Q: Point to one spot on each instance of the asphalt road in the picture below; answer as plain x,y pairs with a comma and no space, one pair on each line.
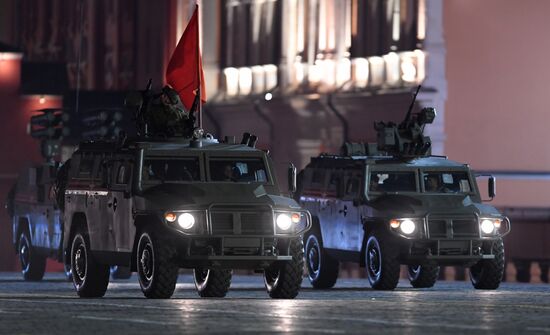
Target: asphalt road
51,307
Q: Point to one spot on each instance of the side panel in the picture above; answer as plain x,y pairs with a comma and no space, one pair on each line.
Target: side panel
100,223
331,231
89,203
39,224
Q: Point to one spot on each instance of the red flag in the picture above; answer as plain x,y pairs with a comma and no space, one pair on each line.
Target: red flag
184,72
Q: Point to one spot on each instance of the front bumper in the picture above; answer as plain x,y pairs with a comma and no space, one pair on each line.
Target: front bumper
447,252
233,252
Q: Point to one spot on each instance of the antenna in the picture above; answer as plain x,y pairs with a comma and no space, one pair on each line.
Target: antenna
78,54
408,117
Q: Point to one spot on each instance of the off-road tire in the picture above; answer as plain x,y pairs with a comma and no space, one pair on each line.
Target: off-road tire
423,276
212,283
487,274
381,261
90,279
157,270
322,269
120,272
283,280
33,265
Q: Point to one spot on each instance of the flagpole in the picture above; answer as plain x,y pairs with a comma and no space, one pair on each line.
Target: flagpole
199,67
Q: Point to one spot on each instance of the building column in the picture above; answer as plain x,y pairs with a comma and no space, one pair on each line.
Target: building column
435,82
210,46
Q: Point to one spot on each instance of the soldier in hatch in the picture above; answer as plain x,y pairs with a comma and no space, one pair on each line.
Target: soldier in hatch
168,115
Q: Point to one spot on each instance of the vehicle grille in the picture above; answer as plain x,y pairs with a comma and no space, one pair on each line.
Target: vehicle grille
453,227
238,221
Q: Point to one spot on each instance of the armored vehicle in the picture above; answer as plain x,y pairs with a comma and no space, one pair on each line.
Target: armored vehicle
161,202
36,219
391,203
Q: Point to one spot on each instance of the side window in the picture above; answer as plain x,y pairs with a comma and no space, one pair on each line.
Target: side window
86,165
352,184
318,179
98,167
334,180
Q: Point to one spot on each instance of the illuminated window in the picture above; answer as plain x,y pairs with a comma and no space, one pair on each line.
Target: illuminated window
382,26
250,45
250,33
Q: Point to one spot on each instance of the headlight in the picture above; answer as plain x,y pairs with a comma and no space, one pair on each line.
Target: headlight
407,226
186,221
284,221
489,226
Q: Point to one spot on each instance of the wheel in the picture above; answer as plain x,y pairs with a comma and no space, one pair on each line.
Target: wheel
487,274
523,271
422,276
322,269
156,268
120,272
381,262
33,265
68,272
283,280
213,283
90,278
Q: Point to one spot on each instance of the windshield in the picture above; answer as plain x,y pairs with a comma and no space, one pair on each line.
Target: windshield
238,170
446,182
171,170
392,182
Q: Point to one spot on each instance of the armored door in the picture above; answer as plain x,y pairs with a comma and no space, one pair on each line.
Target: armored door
347,212
120,204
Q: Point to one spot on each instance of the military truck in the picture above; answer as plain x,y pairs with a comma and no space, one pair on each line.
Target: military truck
390,203
161,202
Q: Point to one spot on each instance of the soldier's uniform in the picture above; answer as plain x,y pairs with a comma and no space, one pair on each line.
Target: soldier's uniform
167,115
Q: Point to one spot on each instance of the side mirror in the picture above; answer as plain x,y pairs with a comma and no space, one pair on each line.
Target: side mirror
292,178
492,187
